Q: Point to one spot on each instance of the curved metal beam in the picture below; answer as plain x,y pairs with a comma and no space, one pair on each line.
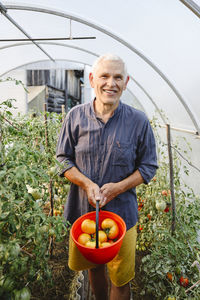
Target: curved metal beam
192,6
96,55
115,36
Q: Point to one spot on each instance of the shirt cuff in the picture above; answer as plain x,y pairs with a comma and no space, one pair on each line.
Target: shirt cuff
66,165
147,175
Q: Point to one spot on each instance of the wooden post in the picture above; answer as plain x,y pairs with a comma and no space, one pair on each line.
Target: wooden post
63,113
50,183
46,126
171,179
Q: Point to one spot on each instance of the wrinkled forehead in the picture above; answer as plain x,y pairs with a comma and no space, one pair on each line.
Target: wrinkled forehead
110,67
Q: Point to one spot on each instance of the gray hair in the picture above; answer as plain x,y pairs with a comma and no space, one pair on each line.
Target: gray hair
110,57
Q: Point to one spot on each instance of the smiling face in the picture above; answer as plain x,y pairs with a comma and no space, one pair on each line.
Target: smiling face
109,81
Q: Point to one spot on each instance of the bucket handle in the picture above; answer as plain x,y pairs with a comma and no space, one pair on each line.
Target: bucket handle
97,223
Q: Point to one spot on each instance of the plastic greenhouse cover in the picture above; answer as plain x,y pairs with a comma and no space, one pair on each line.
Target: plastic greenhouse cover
159,41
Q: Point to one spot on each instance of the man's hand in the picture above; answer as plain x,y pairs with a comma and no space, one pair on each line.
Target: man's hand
91,188
111,190
93,193
108,192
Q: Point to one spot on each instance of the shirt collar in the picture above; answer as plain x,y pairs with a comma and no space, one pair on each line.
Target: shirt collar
116,111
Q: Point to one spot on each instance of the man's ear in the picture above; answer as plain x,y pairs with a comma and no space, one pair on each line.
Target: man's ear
91,79
126,82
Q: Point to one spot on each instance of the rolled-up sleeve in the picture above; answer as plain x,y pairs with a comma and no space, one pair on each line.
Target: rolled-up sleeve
65,147
146,161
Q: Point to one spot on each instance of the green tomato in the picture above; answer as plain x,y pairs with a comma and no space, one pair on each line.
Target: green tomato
51,232
178,270
14,250
160,205
14,268
44,229
16,295
34,192
2,250
23,294
8,284
52,171
66,188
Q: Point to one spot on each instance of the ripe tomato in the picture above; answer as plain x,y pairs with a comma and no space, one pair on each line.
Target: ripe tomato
91,244
105,244
57,212
110,227
166,209
184,281
149,216
169,276
140,227
84,238
88,226
164,193
102,236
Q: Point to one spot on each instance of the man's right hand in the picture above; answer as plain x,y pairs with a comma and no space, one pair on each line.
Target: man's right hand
91,188
93,193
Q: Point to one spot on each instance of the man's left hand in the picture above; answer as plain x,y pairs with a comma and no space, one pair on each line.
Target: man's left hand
109,191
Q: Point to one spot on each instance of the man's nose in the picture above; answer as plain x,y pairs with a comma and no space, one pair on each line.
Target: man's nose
111,81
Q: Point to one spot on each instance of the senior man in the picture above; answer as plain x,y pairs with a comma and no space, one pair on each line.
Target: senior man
107,148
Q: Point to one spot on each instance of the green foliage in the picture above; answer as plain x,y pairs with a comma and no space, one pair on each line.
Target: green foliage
168,253
26,224
28,173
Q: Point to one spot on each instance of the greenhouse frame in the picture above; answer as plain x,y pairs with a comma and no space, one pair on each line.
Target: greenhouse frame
47,49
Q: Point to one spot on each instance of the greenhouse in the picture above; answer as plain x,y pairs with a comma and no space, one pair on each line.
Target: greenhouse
47,75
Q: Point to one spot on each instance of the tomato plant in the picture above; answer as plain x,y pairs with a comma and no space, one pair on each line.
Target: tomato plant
165,253
26,226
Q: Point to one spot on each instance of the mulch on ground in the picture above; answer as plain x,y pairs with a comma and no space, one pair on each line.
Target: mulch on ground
66,283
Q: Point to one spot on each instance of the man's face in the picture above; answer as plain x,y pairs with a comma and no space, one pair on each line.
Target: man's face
109,82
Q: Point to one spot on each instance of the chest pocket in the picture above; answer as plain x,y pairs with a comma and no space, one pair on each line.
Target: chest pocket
122,154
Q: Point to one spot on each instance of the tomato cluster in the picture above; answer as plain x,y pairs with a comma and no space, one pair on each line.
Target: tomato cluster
107,233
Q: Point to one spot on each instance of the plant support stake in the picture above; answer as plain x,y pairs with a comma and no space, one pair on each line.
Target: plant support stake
63,113
50,183
171,178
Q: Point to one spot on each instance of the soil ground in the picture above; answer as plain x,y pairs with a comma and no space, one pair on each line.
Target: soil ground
66,283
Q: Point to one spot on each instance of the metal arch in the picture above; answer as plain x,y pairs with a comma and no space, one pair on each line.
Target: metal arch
4,12
194,7
112,34
94,54
49,43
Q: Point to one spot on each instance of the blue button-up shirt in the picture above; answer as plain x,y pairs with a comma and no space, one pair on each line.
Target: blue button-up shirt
106,152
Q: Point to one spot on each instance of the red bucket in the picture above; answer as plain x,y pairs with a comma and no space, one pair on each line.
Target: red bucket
99,255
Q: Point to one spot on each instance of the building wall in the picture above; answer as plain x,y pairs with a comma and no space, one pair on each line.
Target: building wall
9,90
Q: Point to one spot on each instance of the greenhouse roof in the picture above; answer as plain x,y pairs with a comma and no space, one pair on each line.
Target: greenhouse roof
159,41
